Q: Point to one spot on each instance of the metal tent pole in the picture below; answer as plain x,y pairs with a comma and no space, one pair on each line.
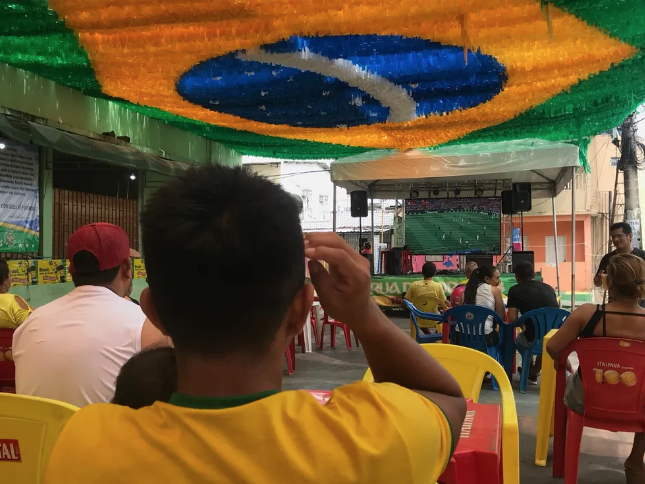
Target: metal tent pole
555,241
573,238
333,212
372,198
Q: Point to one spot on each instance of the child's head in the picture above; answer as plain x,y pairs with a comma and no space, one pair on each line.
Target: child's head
147,377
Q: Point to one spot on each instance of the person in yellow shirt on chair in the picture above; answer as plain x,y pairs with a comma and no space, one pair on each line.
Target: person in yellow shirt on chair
427,296
229,421
13,309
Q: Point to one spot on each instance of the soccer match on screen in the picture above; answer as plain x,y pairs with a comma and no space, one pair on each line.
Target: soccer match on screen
436,226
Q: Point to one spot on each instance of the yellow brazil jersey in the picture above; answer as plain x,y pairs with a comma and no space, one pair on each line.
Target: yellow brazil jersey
13,311
427,296
367,433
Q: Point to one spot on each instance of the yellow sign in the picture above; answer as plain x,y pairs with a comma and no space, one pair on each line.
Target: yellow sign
19,272
50,271
139,269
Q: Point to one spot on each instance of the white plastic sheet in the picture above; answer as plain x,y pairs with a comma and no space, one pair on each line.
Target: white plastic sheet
539,162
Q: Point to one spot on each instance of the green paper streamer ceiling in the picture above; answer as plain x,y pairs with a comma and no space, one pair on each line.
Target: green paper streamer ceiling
34,39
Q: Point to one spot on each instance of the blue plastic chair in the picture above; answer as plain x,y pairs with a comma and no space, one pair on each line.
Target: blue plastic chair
544,320
468,321
414,314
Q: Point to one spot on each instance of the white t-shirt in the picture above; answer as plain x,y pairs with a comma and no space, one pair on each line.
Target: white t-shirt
485,298
73,348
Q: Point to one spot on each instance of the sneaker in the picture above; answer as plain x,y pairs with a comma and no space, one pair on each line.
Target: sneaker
532,381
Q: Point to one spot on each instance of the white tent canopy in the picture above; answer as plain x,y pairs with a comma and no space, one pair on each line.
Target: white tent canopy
544,164
548,166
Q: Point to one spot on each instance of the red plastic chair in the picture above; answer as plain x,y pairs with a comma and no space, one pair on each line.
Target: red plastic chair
613,377
7,367
333,326
290,355
314,326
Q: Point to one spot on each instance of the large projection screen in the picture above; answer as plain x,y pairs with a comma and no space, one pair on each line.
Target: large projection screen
439,226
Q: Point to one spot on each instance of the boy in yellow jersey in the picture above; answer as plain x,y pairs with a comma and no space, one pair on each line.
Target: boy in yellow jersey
231,322
13,309
427,296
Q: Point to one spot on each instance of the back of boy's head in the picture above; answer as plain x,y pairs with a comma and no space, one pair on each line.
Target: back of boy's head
224,255
147,377
429,270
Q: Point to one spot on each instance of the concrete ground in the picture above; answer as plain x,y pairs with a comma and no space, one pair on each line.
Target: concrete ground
602,453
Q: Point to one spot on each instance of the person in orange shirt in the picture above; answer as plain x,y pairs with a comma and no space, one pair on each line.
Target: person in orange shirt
229,421
13,309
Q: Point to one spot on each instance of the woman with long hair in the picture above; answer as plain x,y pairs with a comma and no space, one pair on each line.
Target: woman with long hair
483,290
620,318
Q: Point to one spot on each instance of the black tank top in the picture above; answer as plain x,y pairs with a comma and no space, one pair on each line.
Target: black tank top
601,313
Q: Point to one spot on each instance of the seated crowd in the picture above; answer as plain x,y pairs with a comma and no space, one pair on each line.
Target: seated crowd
211,408
183,392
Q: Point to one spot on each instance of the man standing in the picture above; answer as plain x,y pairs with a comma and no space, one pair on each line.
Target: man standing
621,236
527,295
73,348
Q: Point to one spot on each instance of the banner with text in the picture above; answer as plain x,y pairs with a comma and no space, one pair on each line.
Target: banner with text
19,205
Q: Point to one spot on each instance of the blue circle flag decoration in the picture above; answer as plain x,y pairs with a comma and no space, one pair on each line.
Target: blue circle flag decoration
342,81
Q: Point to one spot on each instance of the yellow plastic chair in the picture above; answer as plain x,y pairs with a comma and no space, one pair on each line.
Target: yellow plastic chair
29,428
546,411
427,305
468,367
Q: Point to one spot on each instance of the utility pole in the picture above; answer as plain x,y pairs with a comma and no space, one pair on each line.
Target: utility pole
628,164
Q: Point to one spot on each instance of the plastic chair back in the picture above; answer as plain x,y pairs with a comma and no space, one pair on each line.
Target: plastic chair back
29,428
468,367
469,320
7,367
544,320
457,295
613,377
418,335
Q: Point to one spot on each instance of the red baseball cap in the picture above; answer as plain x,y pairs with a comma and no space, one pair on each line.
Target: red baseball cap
108,243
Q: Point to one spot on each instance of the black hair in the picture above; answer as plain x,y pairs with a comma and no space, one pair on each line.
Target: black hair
147,377
524,270
627,229
230,222
429,270
367,245
88,273
4,271
478,277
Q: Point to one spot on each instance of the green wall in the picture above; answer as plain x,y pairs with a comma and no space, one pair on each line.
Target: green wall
62,107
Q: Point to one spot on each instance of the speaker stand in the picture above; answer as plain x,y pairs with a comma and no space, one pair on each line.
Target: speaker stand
522,229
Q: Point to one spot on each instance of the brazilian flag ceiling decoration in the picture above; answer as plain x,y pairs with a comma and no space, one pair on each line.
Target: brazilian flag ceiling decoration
312,79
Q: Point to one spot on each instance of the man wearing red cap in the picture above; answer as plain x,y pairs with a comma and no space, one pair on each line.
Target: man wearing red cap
73,348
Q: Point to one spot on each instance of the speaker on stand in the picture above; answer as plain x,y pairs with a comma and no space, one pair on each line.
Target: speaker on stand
522,202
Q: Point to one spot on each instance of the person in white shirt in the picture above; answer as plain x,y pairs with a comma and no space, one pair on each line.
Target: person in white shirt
73,348
483,290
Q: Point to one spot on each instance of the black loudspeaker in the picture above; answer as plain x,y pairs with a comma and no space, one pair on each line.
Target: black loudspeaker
393,259
514,202
507,202
522,198
358,204
522,187
481,260
522,201
522,255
